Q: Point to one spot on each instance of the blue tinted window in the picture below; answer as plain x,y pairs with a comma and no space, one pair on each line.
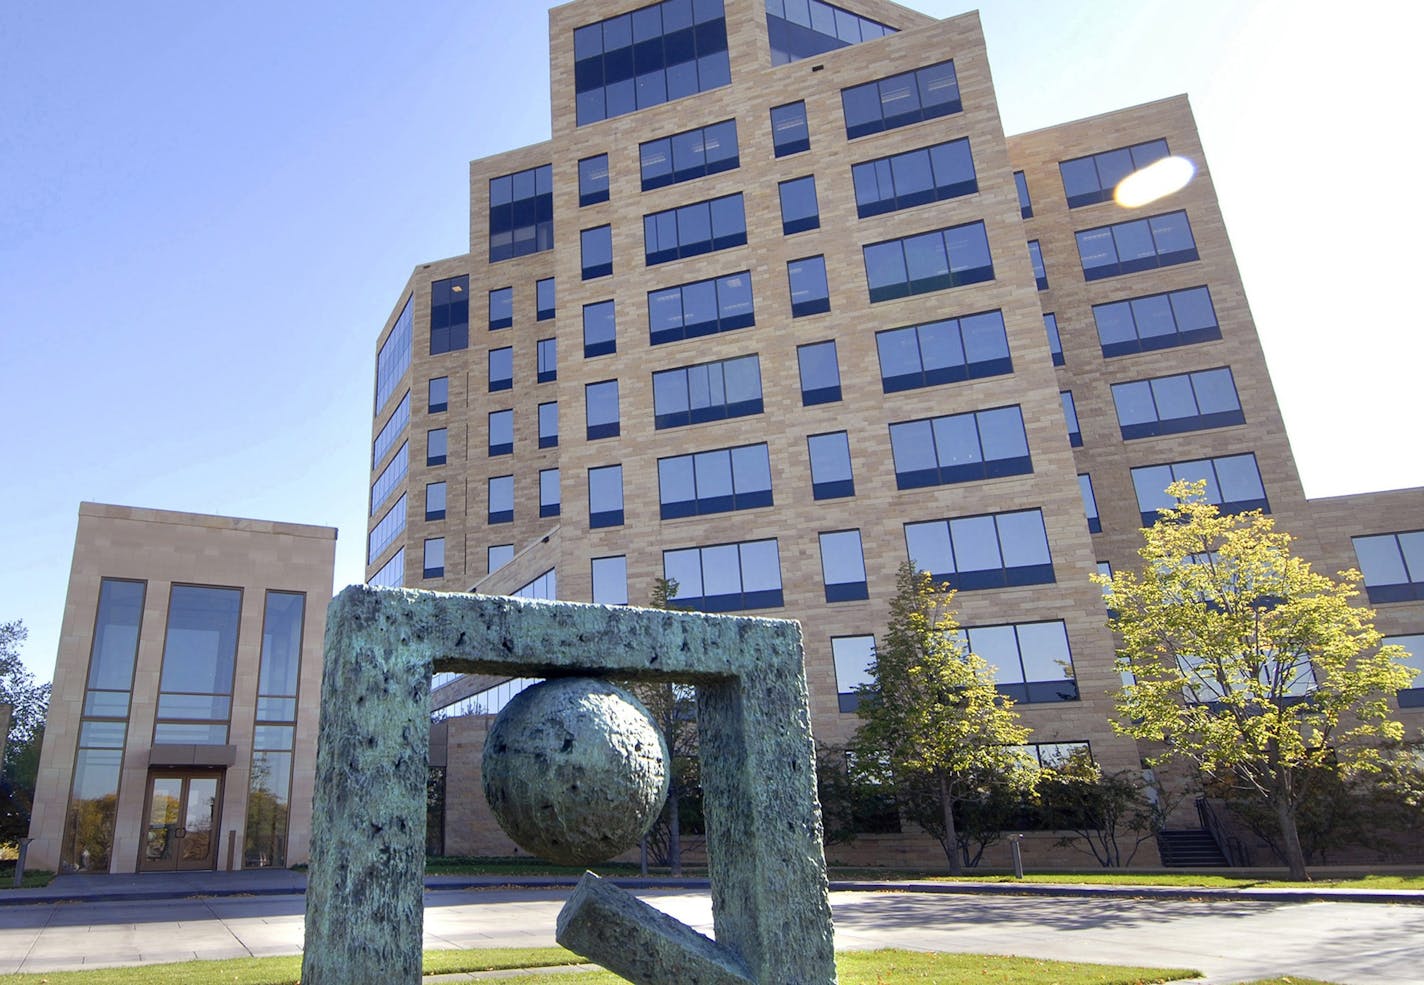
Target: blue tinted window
435,501
810,294
726,577
501,432
900,100
1055,343
694,229
501,499
1233,483
596,251
384,533
1025,203
843,566
549,493
960,448
1070,417
902,181
501,308
437,395
707,392
1139,244
805,28
501,369
704,307
394,358
437,447
1090,503
1035,258
391,430
789,133
546,361
655,54
544,299
521,213
1392,565
996,550
930,261
820,373
449,315
390,477
831,476
714,481
1091,179
1173,404
948,351
600,331
434,558
605,496
688,155
549,424
799,210
1031,660
1156,321
593,180
601,409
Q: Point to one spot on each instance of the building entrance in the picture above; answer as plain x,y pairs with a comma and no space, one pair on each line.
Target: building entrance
182,812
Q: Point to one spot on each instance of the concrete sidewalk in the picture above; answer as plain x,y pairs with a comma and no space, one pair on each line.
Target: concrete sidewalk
282,882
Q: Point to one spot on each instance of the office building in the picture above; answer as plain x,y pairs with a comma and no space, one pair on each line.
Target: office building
779,305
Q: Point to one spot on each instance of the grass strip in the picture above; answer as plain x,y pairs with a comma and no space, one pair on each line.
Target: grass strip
854,967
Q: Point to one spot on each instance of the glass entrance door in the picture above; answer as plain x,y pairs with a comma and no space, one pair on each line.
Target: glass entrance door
181,814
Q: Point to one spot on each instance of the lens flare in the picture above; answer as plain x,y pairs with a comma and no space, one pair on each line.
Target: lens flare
1158,180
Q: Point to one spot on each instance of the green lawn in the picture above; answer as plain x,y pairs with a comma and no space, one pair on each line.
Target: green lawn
31,879
855,968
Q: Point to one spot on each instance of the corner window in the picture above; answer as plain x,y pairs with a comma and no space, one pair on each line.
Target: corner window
435,501
810,293
843,566
1090,503
994,550
1174,404
544,299
501,369
789,133
1136,245
1091,179
390,477
384,533
605,497
948,351
1070,417
394,358
900,100
717,481
501,499
820,373
601,409
501,308
933,261
726,577
1035,259
436,446
610,580
1156,321
799,211
547,361
549,424
707,392
449,315
688,155
596,250
501,432
549,495
593,180
391,430
438,395
916,177
434,566
521,213
1233,483
1392,565
984,444
704,307
600,331
1025,203
830,465
691,230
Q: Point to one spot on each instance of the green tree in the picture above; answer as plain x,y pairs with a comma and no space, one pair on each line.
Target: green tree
29,701
1110,815
1246,663
933,713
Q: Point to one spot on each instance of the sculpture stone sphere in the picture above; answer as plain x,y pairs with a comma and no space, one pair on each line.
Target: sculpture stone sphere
575,770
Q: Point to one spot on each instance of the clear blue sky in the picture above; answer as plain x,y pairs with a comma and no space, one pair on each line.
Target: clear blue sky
207,210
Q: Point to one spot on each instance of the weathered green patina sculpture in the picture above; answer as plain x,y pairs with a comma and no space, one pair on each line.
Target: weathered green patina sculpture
771,911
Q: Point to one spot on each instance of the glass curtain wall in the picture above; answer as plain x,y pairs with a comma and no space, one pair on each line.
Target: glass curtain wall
269,795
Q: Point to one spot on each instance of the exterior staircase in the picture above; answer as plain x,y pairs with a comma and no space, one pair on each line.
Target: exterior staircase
1190,848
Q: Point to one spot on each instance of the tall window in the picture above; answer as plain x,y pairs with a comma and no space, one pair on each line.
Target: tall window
843,566
501,499
605,496
437,395
1055,342
501,369
547,361
900,100
1090,503
89,822
390,478
1035,259
948,351
714,481
391,430
434,501
544,299
434,558
501,308
902,181
799,209
384,533
1138,244
789,133
707,392
600,329
549,424
270,787
799,29
199,657
831,476
1025,203
521,213
601,409
810,291
852,656
688,155
1413,643
820,373
983,444
497,556
726,577
654,54
437,446
593,180
933,261
610,580
449,315
596,251
501,432
394,358
1233,482
1070,418
550,495
995,550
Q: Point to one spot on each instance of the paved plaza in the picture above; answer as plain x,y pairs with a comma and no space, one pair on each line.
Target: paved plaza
1231,941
